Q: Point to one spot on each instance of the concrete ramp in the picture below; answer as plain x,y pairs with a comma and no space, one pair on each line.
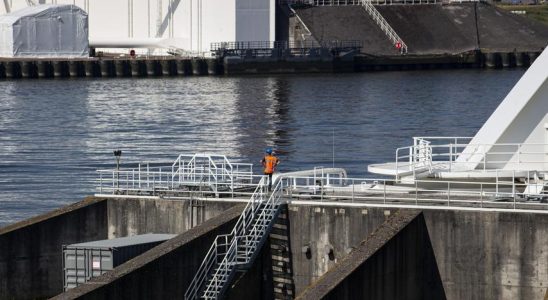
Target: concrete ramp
430,28
328,23
501,31
433,29
395,262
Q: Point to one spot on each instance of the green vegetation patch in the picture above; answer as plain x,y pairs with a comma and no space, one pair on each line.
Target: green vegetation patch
536,12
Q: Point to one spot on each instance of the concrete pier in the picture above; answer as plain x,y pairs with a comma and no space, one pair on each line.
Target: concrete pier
315,63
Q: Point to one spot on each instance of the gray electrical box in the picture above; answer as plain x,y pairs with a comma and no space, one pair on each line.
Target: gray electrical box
83,261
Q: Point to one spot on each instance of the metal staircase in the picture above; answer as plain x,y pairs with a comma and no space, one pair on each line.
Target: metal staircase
384,26
237,250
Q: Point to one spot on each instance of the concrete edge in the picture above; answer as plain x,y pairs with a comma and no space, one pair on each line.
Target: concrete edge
367,248
153,254
51,214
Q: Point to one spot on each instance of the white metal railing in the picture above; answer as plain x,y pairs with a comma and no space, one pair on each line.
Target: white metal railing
212,171
369,7
446,154
239,247
384,26
355,2
506,194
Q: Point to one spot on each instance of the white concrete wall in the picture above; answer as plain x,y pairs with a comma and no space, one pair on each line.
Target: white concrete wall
220,20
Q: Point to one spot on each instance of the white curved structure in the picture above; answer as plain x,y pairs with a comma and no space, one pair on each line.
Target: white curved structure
513,143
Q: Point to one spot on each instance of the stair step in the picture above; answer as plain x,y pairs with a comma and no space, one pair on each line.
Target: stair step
278,236
279,231
279,226
282,280
280,259
278,245
280,291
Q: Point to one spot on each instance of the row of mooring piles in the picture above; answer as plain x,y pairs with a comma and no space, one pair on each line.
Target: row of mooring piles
498,60
109,68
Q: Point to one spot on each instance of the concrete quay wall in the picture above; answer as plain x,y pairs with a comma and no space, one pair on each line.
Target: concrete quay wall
479,255
31,250
395,262
14,68
163,272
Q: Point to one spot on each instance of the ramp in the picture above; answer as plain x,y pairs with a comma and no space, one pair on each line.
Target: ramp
429,28
328,23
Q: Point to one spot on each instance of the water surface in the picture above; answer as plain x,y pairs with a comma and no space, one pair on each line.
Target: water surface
55,133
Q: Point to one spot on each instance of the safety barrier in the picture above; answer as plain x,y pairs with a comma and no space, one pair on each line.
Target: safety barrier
213,172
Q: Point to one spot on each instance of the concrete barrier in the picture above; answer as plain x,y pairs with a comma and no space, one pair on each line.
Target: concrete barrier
395,262
500,255
163,272
30,251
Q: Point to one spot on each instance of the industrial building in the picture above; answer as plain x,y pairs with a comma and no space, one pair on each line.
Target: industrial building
191,25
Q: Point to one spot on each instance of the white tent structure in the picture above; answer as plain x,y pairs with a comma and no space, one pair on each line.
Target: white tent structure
45,31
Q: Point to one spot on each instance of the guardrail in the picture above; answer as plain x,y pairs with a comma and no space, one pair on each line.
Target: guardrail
508,190
504,195
219,263
357,2
213,172
446,154
278,49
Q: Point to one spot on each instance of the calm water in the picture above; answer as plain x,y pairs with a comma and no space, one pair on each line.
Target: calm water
55,133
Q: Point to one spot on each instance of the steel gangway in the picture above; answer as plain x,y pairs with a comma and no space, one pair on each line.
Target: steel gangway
236,251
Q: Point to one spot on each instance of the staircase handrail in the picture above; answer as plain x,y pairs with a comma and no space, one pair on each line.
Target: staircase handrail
203,270
383,24
228,263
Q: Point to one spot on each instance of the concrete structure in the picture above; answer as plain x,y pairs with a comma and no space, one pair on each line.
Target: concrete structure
30,250
426,29
190,25
478,255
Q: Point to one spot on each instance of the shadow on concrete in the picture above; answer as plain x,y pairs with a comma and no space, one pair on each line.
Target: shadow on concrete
395,262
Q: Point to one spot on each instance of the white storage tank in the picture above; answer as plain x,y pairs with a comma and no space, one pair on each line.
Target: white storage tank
83,261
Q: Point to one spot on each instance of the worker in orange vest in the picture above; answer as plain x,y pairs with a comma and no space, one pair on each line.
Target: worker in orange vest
269,162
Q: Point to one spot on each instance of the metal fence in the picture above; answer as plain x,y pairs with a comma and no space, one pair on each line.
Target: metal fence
356,2
335,187
503,195
244,45
194,172
448,154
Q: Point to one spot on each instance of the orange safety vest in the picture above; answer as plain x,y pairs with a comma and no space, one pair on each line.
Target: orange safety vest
269,163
